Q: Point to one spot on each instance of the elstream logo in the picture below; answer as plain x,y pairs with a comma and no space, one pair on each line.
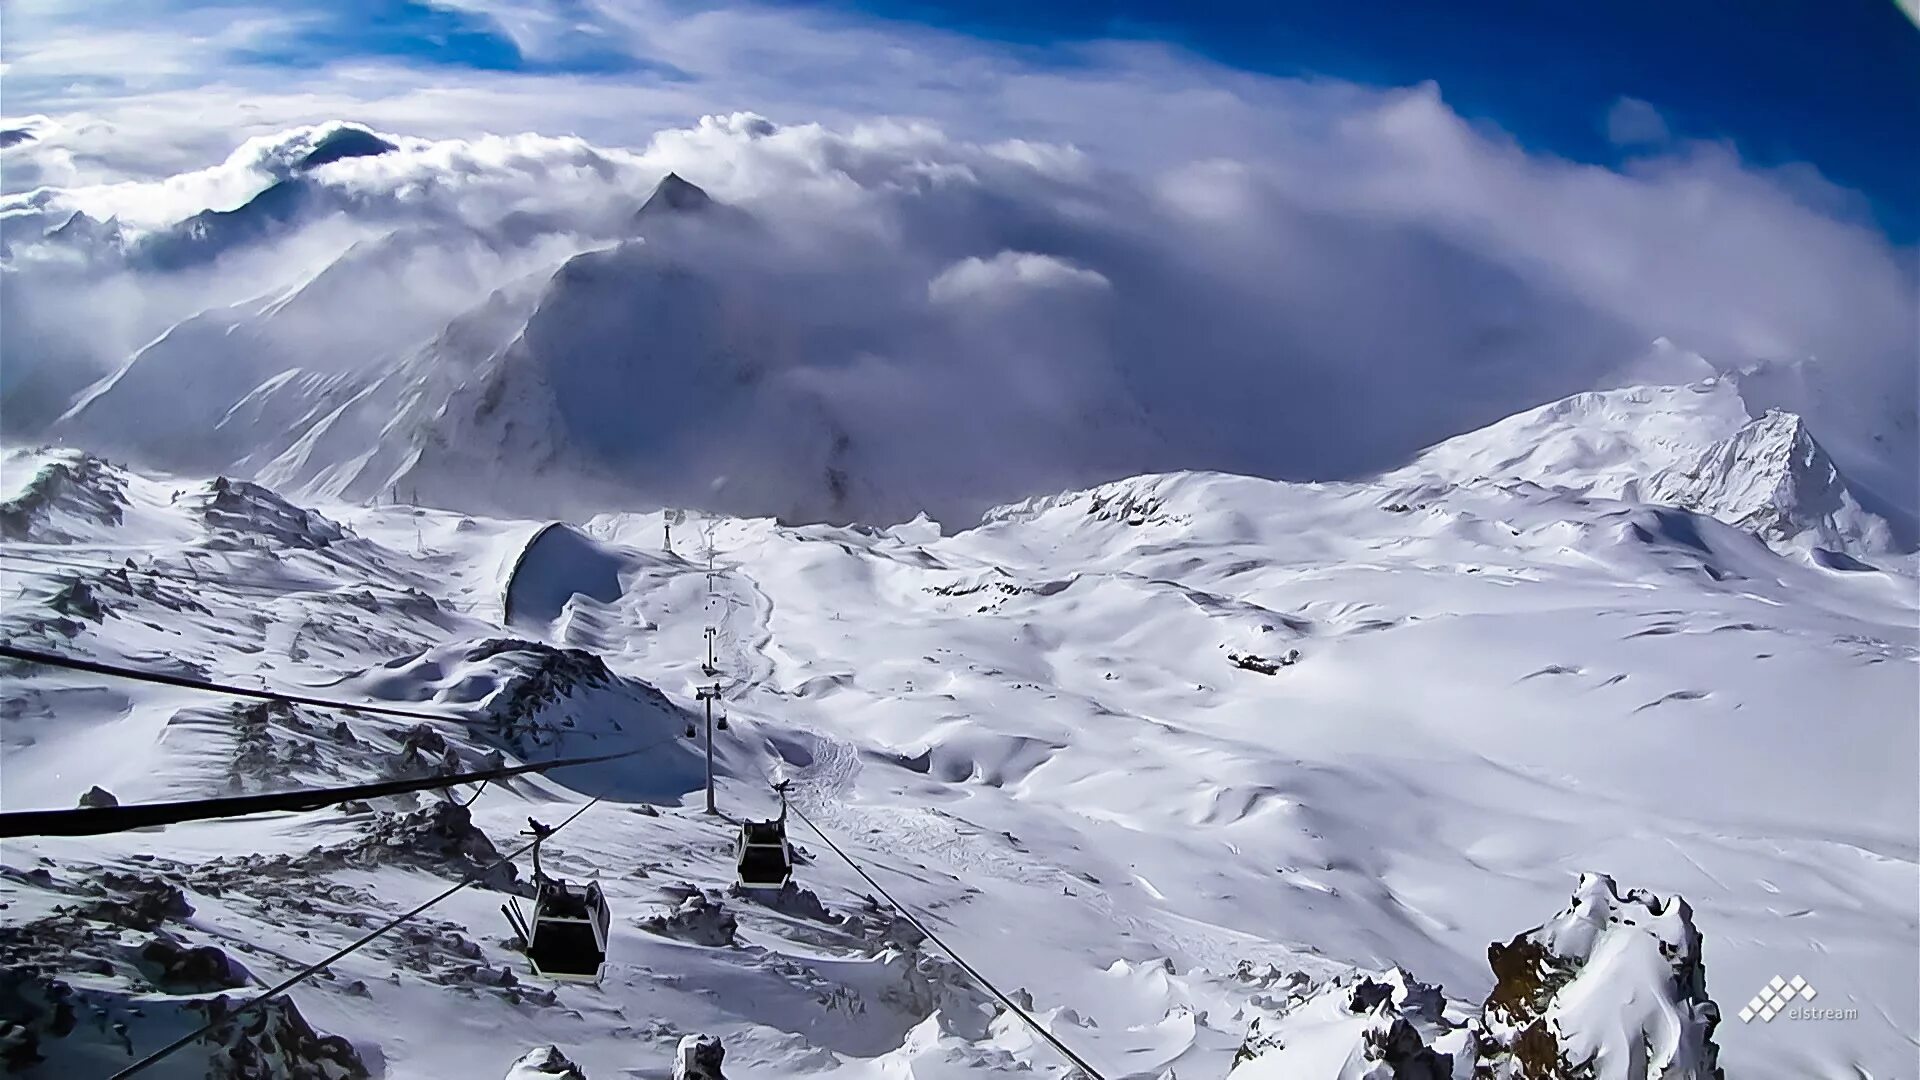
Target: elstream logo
1776,999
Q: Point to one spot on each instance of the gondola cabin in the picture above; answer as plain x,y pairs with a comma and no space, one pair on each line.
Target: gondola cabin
568,936
765,858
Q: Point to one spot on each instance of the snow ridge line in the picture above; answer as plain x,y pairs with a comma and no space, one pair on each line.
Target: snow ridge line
94,667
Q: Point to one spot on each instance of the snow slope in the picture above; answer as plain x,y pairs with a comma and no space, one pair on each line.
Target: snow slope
1030,730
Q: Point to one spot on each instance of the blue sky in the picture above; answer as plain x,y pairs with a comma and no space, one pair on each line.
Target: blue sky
1835,84
436,36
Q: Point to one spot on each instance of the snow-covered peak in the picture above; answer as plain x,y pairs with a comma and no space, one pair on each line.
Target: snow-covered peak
1597,443
1694,447
675,195
59,496
1773,478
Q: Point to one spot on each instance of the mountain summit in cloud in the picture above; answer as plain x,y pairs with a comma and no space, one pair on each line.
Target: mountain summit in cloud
855,325
675,196
342,142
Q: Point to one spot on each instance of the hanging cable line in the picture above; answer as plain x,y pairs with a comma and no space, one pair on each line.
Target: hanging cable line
190,576
315,968
97,820
1065,1051
94,667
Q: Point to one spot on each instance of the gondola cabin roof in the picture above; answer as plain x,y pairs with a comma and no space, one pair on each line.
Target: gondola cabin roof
561,900
764,832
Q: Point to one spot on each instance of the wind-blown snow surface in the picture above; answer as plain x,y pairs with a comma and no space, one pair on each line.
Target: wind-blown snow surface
1030,730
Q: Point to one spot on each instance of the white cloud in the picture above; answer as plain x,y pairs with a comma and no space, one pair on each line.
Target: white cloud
1308,277
974,277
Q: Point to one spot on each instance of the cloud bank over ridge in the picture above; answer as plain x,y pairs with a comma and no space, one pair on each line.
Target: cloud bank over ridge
1308,279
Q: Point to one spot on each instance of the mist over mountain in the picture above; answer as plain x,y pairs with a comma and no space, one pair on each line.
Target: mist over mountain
864,324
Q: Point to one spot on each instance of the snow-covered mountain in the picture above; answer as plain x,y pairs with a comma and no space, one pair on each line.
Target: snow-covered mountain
1598,443
630,375
636,373
1695,447
1191,762
1773,478
346,314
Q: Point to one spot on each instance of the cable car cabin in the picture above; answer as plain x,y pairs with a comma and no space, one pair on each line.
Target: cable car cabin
569,939
765,857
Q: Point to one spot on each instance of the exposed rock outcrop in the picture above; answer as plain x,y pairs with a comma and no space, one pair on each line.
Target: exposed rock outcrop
76,991
1385,1027
1610,981
247,511
698,1057
1612,988
545,1063
97,797
697,920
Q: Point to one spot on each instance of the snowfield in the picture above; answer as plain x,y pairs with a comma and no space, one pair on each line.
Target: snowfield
1181,757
